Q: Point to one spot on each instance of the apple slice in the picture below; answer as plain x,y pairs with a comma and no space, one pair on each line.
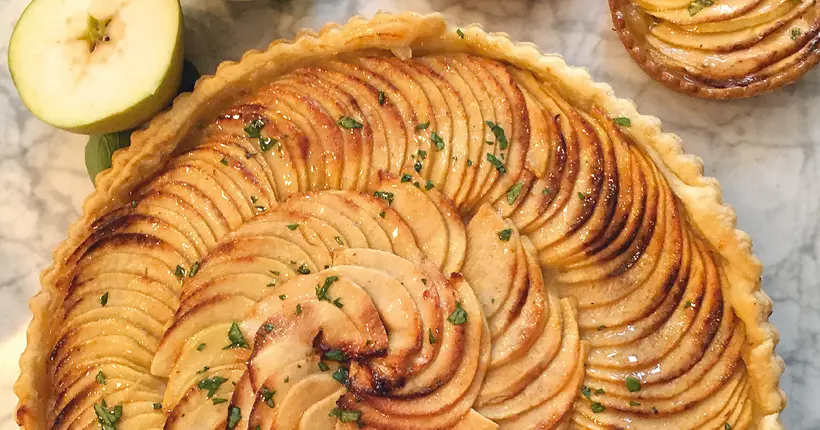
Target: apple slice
97,66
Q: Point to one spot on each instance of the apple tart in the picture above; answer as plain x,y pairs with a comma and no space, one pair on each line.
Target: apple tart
720,49
393,224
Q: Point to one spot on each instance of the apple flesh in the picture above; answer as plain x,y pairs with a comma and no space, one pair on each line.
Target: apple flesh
97,66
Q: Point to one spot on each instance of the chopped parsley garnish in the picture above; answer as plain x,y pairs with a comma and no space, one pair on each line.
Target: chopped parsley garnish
321,291
268,327
203,370
338,303
429,185
348,123
459,315
513,192
254,199
298,309
601,327
698,5
211,384
341,374
633,384
500,137
599,391
157,406
384,195
381,98
292,227
469,163
218,400
727,426
234,416
100,377
260,208
435,138
796,32
335,355
586,392
622,121
597,407
179,272
287,379
200,347
423,125
254,127
688,304
417,166
634,403
546,191
224,161
236,338
133,204
346,416
323,367
303,269
654,410
460,33
430,336
424,281
108,418
581,196
266,143
104,299
282,297
194,269
496,163
505,234
267,396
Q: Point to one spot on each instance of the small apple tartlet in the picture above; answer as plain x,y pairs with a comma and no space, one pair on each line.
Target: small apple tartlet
720,49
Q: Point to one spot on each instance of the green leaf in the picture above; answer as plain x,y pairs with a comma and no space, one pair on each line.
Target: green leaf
633,384
108,418
236,338
459,315
100,149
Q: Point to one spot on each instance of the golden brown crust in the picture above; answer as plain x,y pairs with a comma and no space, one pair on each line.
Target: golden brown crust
633,37
404,35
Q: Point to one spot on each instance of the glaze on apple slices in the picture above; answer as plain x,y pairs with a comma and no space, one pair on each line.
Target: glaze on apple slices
721,48
431,243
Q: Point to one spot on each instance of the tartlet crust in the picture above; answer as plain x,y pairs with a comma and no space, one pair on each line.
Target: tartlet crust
679,81
406,34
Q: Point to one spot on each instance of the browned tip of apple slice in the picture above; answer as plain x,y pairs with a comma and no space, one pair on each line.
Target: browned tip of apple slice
714,51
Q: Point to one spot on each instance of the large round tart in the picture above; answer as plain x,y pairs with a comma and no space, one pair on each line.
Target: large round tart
393,224
721,49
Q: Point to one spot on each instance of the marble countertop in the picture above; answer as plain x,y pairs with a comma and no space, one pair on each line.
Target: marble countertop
765,152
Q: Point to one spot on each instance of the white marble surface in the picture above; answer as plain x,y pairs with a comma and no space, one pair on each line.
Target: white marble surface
765,152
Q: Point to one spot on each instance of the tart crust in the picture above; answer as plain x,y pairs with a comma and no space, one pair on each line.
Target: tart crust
631,25
405,35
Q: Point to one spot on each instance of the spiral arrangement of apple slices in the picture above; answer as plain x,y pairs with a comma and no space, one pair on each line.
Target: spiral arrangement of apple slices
433,243
722,44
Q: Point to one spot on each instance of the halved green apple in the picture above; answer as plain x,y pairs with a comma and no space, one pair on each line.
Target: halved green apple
97,66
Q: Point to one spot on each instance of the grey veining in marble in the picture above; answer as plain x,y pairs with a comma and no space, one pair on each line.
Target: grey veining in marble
765,152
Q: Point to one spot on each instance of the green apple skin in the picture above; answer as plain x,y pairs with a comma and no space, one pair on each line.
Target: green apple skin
128,118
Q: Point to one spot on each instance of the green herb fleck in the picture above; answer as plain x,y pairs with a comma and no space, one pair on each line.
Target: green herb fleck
505,234
267,396
429,185
430,336
459,315
203,370
597,407
513,192
469,163
460,33
194,269
338,240
224,161
586,392
435,138
323,367
157,406
384,195
500,137
341,374
423,125
236,338
282,297
698,5
254,127
381,98
406,178
108,418
348,123
179,272
200,347
234,416
496,163
633,384
623,121
298,309
266,143
104,299
100,377
796,32
346,416
634,403
292,227
218,400
335,355
321,291
303,269
211,384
